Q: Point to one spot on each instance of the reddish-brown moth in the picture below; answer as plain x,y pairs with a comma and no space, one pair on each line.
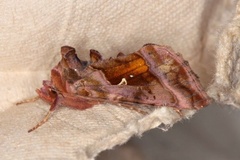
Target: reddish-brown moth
155,76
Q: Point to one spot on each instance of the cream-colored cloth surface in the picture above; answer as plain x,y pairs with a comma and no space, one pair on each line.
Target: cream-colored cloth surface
225,88
32,32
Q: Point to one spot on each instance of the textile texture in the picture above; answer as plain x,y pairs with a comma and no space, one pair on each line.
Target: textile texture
225,88
205,32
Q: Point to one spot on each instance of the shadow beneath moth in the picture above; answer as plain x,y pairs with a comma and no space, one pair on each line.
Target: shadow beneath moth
155,76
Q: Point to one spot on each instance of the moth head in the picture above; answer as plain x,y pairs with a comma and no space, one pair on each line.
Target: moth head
47,92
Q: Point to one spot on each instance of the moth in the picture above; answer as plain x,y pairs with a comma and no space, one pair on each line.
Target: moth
155,76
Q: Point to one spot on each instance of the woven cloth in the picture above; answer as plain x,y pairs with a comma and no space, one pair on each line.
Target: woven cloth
32,32
225,88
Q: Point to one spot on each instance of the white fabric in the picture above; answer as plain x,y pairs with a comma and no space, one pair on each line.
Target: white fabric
225,88
31,34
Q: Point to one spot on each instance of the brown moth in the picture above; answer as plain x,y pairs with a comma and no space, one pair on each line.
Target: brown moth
155,76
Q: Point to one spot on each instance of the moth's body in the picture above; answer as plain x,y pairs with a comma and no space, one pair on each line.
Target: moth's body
154,75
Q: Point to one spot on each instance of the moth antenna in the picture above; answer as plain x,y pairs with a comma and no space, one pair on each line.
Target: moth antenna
41,122
29,100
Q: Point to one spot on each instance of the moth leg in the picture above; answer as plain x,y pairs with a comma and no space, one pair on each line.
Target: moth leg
47,116
131,107
28,100
123,82
179,112
41,122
